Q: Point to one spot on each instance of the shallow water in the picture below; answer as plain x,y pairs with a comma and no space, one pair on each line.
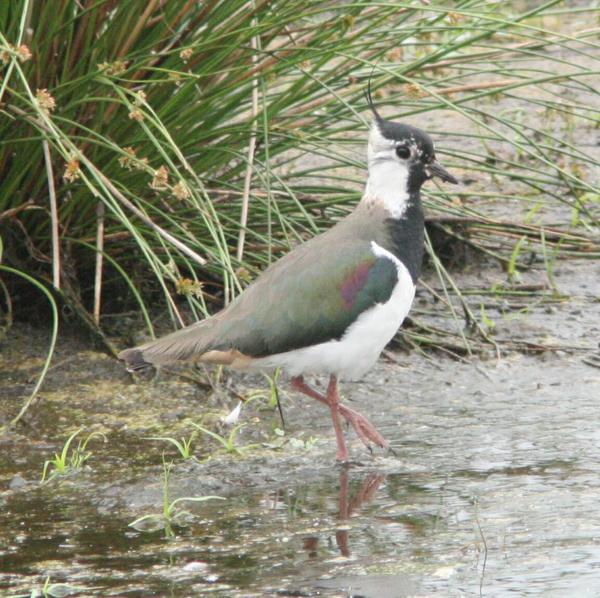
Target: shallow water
493,491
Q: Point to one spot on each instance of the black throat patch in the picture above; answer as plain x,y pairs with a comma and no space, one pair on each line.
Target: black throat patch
406,235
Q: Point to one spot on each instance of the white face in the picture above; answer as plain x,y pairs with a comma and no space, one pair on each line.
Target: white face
405,151
388,173
381,149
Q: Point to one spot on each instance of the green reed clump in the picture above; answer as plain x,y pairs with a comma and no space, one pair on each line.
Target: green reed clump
176,148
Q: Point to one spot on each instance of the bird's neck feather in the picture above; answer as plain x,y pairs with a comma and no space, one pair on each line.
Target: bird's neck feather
393,196
387,186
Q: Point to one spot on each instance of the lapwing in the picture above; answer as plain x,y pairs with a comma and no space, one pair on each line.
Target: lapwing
333,303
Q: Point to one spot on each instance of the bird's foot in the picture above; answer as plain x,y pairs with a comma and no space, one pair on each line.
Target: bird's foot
341,455
364,429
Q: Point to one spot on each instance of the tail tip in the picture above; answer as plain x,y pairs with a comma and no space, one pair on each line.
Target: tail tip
134,360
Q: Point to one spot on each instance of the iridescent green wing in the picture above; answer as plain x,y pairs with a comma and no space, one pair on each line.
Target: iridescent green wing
310,296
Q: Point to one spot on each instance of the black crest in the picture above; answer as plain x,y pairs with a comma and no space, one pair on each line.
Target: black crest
369,97
401,133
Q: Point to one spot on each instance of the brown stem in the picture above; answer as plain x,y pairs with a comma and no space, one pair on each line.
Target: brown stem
250,161
137,29
476,86
53,217
12,212
100,211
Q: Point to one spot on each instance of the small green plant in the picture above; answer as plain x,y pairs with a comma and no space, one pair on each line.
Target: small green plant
69,460
549,261
300,443
270,400
485,320
528,218
273,389
227,442
183,446
55,590
171,514
513,274
282,439
267,399
583,205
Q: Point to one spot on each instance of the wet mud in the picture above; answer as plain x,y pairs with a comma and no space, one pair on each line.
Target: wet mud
491,488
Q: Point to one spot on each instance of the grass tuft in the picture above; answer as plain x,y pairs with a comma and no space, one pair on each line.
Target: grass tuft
69,459
189,144
172,514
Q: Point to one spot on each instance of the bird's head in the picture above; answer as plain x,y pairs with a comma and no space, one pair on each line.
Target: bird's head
404,150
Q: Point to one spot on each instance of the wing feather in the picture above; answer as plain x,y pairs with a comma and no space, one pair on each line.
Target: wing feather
311,295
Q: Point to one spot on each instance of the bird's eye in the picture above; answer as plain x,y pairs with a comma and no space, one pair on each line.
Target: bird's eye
402,152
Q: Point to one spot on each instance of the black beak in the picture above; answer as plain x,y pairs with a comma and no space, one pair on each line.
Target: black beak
436,169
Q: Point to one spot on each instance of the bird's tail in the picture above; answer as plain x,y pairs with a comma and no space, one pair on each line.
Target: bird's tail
183,344
134,360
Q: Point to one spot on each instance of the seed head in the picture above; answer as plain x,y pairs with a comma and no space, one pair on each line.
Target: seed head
136,115
72,170
243,274
186,54
22,52
140,97
180,191
45,100
414,90
113,69
187,286
161,178
454,17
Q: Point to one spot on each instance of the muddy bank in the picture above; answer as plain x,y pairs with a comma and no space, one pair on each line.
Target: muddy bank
501,467
493,484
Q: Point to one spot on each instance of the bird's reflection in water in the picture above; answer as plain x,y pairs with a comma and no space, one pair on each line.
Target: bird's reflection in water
348,505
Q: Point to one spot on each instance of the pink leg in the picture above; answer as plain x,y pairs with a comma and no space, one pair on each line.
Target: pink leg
298,383
333,400
364,429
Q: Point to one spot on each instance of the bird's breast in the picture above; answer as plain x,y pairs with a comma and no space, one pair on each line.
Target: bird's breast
352,355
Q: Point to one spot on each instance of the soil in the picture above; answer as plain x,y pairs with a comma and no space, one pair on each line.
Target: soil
492,483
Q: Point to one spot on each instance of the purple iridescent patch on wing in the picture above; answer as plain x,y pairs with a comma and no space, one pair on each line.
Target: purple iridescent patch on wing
354,282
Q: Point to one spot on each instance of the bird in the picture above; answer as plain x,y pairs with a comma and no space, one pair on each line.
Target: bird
332,304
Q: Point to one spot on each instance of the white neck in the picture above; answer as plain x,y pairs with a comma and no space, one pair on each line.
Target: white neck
388,176
387,186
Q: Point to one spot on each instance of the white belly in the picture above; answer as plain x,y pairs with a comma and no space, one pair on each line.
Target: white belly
355,353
